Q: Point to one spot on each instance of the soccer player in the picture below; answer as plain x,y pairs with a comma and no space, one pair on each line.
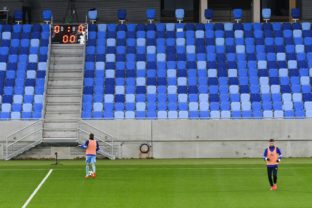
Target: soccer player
91,146
272,155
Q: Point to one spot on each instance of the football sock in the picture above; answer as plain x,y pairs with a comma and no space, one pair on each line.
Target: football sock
270,176
275,179
93,167
87,169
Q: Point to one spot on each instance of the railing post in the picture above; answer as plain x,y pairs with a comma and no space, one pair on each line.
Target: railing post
42,127
112,146
6,149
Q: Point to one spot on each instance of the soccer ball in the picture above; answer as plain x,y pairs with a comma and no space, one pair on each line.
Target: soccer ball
90,173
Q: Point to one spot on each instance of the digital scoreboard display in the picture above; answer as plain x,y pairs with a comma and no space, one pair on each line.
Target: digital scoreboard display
68,33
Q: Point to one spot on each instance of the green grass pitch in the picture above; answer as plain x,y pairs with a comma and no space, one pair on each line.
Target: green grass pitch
183,183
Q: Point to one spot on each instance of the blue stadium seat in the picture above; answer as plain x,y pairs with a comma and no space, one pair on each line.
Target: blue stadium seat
18,16
122,15
209,15
295,14
46,16
150,15
237,15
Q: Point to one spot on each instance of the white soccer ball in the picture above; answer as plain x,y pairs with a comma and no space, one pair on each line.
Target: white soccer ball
90,173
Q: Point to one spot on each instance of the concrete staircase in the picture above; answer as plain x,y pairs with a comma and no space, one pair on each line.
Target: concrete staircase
64,91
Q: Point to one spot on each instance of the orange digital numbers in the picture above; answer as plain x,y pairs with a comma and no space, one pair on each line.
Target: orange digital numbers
81,28
72,39
57,29
69,39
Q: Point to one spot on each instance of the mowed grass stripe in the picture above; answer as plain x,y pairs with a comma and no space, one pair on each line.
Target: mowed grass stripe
241,186
17,185
37,189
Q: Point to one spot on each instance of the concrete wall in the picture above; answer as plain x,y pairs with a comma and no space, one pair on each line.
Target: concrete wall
9,127
209,138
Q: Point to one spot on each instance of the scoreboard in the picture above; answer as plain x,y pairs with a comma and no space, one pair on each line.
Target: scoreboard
68,33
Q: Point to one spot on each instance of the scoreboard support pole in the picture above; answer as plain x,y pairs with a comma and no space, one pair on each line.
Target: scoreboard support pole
256,10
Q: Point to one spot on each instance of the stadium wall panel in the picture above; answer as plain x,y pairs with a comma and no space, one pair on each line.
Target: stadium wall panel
209,138
9,127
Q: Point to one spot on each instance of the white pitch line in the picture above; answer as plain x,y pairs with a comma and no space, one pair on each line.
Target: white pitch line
37,189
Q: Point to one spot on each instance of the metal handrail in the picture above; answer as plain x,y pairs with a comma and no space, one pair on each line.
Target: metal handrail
9,144
83,68
47,72
23,137
85,123
99,139
109,143
23,148
23,128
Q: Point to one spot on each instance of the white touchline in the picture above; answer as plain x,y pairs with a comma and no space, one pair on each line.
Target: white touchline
37,189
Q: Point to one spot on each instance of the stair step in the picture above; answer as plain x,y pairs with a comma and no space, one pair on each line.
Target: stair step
59,125
68,75
66,59
53,91
52,120
46,129
66,79
56,67
62,116
61,109
63,103
57,82
63,99
50,107
59,139
65,63
60,94
66,53
71,46
65,87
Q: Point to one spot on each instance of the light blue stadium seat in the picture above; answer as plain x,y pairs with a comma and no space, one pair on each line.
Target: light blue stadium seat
287,106
119,115
31,74
27,107
34,42
267,114
33,58
42,66
266,14
308,106
6,35
98,107
38,98
29,90
15,115
162,115
215,114
172,114
6,107
297,97
183,114
179,13
278,114
129,114
225,114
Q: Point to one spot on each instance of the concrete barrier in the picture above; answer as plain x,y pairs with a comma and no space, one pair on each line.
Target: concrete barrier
209,138
191,138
